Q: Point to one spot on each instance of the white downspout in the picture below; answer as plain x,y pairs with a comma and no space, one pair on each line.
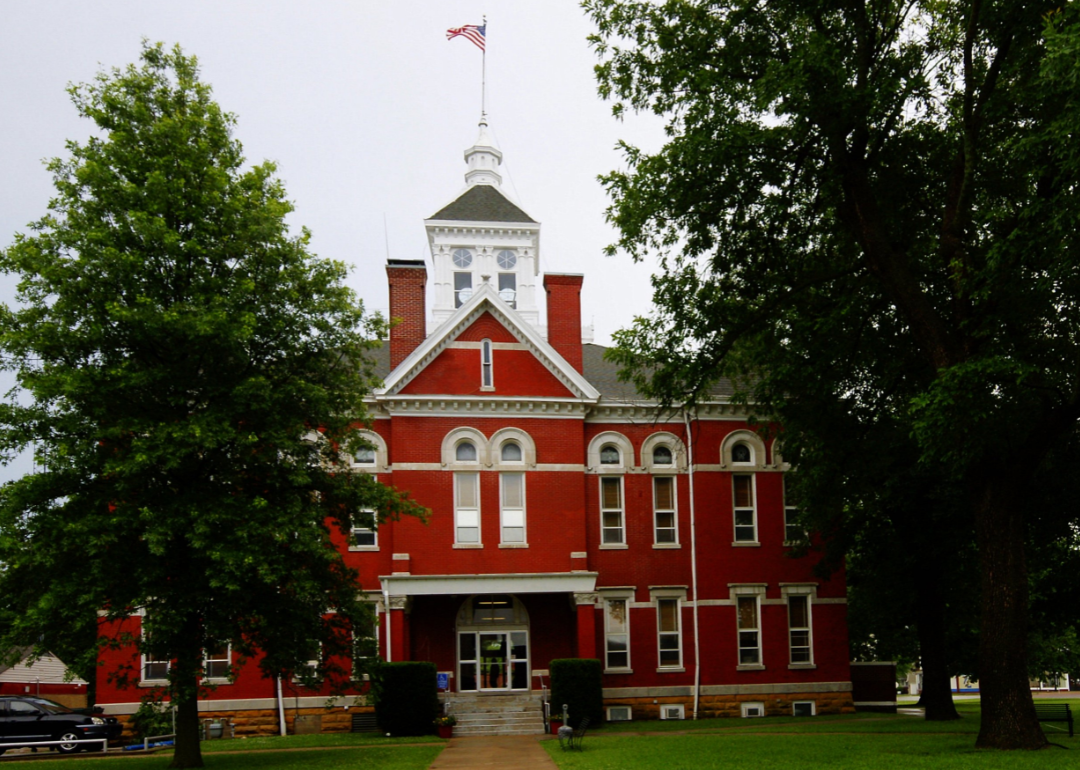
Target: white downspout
280,707
386,617
693,561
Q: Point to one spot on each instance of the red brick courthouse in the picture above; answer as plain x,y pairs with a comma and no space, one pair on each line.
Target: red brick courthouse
570,518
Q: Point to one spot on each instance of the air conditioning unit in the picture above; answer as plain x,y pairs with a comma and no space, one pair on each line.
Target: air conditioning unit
670,711
619,714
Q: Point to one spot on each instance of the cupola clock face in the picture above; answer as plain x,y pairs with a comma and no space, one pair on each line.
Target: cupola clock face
462,258
507,260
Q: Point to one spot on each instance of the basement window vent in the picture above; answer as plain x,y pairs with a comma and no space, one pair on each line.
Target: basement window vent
803,708
619,714
672,712
753,710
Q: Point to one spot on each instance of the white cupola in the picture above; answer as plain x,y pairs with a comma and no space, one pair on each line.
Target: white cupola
483,159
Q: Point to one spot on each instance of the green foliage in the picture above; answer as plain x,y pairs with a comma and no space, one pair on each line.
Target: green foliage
867,217
192,378
406,697
152,718
578,682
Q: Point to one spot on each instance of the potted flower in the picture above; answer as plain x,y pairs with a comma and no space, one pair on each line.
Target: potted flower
556,723
445,726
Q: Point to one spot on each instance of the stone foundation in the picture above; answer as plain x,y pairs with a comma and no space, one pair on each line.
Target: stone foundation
710,706
255,722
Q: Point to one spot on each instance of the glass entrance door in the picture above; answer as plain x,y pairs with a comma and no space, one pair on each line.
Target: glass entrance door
493,660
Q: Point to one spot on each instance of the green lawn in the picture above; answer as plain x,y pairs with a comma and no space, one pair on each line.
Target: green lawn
374,758
272,742
855,742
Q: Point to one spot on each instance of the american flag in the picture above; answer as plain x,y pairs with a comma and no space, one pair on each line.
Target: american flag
471,32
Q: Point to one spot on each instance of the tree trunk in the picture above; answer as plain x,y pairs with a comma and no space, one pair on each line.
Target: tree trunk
936,695
1008,712
185,687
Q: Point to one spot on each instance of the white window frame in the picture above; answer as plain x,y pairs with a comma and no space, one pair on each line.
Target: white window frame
487,366
667,708
745,708
673,510
629,713
791,511
621,511
459,510
207,661
146,661
312,664
608,634
458,299
374,544
808,629
658,599
504,510
752,508
740,630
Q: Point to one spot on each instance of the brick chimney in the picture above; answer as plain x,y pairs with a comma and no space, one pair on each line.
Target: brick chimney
564,315
407,279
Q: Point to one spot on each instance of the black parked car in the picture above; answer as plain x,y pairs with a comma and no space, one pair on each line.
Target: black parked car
31,720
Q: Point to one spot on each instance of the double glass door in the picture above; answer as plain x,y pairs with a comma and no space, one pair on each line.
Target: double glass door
493,660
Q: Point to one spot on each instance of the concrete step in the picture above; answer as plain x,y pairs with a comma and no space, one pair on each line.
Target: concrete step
468,720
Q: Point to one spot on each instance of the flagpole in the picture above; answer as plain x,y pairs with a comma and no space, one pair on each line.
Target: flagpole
483,74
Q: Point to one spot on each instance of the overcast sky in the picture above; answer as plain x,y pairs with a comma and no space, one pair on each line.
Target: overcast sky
366,108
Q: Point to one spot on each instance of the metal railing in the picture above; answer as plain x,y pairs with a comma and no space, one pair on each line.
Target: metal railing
147,739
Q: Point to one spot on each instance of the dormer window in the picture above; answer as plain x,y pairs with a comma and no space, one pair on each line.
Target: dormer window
511,452
609,455
662,456
507,259
741,453
465,452
462,258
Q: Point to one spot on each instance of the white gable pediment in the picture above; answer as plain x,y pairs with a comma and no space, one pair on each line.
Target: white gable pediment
487,300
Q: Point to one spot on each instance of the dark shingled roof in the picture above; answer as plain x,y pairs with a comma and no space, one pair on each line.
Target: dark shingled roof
483,203
604,375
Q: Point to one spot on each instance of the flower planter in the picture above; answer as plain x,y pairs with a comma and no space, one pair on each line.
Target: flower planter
555,725
445,731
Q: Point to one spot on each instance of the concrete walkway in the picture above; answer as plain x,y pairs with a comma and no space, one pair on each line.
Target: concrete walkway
504,752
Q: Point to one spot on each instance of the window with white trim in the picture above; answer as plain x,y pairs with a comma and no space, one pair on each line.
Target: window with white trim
749,630
309,672
510,452
617,634
665,527
154,670
745,512
753,710
669,633
462,288
742,454
467,507
512,496
486,374
508,289
365,455
609,455
662,455
793,533
465,452
217,661
799,638
364,534
612,525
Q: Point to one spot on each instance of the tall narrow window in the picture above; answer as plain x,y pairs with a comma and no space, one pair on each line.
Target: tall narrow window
793,533
462,288
616,634
664,510
799,629
216,662
364,534
485,363
749,631
670,637
611,511
745,518
508,289
467,507
513,507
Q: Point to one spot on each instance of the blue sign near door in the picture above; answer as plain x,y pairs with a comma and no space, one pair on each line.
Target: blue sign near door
443,680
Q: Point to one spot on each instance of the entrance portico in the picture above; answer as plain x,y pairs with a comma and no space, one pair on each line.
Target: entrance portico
493,633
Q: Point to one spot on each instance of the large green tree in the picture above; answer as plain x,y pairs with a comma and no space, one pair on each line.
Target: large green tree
192,378
870,210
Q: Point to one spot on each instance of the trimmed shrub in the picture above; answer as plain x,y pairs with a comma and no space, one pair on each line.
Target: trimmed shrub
578,682
406,698
152,718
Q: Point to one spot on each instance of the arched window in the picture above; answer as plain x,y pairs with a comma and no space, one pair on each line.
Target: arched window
742,453
372,458
465,452
609,455
511,452
662,455
365,456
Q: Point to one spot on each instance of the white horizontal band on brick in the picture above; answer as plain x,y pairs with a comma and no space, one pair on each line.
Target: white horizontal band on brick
469,345
521,583
245,704
726,689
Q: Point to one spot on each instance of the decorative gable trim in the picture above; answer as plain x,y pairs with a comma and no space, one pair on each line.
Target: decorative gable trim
486,300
